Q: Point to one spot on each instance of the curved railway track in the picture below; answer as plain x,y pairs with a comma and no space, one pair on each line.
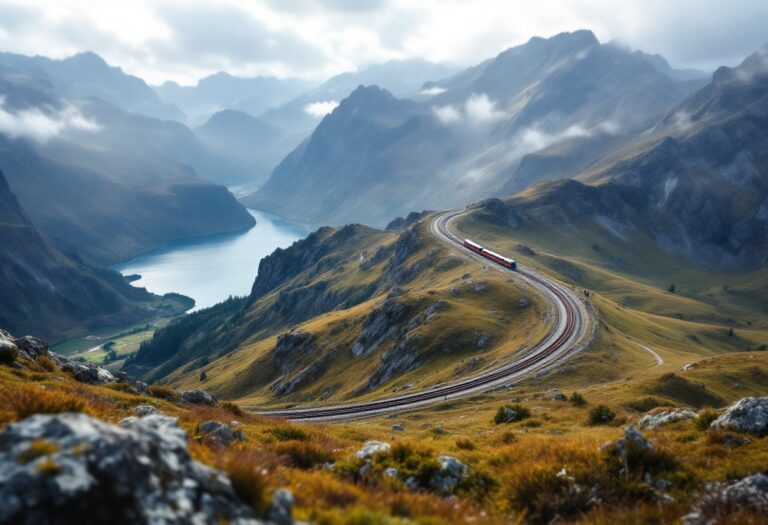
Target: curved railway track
570,329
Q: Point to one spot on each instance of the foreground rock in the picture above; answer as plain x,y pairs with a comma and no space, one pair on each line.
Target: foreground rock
666,417
199,397
72,468
749,415
451,473
719,502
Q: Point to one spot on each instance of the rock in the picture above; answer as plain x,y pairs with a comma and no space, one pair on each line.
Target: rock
145,410
524,302
508,415
451,473
397,427
662,484
412,483
280,510
749,494
632,439
379,325
482,339
392,472
82,470
198,397
658,419
556,395
290,347
372,447
749,414
32,347
84,372
9,352
220,433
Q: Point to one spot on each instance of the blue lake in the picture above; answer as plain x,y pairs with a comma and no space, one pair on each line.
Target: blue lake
212,268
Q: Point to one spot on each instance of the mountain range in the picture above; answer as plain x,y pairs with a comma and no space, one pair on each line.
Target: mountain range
545,109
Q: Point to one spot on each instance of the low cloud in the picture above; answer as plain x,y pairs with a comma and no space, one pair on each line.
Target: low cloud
321,109
39,126
477,111
431,92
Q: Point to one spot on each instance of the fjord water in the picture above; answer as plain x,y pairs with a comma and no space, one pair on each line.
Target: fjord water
212,268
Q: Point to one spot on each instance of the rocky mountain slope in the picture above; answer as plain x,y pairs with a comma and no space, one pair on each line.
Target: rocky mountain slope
568,99
48,293
696,186
102,182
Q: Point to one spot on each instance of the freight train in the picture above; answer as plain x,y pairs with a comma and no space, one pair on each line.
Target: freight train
488,254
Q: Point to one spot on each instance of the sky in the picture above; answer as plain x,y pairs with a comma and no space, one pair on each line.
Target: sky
183,41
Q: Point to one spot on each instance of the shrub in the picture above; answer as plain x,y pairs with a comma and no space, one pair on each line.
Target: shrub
245,473
163,392
508,438
511,413
288,433
8,355
644,404
577,400
705,418
30,400
601,415
465,444
46,363
233,408
303,454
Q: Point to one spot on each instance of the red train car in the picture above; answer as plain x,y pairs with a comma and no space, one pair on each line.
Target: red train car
488,254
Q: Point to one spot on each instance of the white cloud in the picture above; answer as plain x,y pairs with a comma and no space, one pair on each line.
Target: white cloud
321,109
481,110
39,126
446,114
431,92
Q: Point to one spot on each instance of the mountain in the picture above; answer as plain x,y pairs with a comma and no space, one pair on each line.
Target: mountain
246,147
568,99
696,185
223,91
49,293
87,75
102,182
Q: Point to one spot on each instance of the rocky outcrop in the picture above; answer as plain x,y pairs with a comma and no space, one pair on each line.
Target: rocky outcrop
199,397
379,325
305,376
401,358
220,434
370,448
291,348
451,473
72,468
665,417
749,414
718,501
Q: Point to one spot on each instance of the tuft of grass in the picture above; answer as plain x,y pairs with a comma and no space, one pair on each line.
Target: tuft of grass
304,454
577,400
705,418
288,433
520,412
48,467
163,392
465,444
248,477
46,363
233,408
601,415
29,400
644,404
38,448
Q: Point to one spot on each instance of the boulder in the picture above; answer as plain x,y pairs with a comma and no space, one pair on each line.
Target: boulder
508,415
451,473
219,433
145,410
199,397
84,372
749,414
9,352
665,417
72,468
32,347
713,506
372,447
280,510
398,427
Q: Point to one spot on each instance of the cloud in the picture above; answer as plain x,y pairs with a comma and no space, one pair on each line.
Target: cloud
39,126
431,92
477,111
447,114
321,109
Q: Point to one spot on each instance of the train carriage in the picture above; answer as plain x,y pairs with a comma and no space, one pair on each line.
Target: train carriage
488,254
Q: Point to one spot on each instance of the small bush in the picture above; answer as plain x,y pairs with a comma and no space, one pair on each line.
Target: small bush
508,438
233,408
644,404
163,392
601,415
465,444
511,414
303,454
30,400
46,363
288,433
245,473
577,400
705,418
8,355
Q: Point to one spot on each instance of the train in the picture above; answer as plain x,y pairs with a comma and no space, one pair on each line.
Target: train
506,262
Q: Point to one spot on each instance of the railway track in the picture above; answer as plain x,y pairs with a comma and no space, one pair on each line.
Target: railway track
570,330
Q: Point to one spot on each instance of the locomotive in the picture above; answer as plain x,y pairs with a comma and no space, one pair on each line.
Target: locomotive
506,262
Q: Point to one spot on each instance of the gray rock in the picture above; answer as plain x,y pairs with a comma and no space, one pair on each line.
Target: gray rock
509,415
666,417
524,302
290,347
84,372
220,433
145,410
556,395
451,473
32,347
392,472
749,494
749,414
398,427
280,510
378,326
482,339
372,447
199,397
140,472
